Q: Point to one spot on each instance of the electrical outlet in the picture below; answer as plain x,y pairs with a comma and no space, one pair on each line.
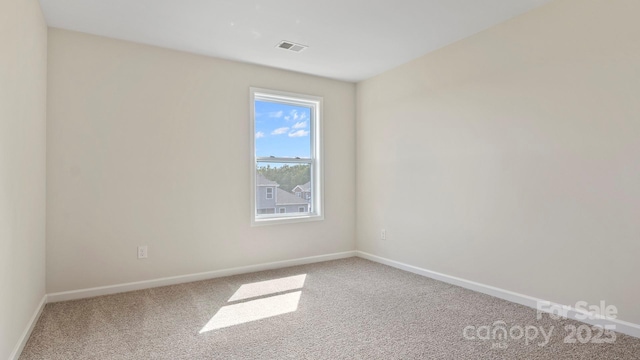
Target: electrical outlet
142,252
383,234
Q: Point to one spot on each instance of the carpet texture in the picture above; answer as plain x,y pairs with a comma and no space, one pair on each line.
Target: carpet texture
343,309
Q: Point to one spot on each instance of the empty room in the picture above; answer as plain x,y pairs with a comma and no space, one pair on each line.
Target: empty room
280,179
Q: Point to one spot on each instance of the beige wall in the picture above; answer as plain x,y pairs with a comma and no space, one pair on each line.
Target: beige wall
512,158
148,146
23,87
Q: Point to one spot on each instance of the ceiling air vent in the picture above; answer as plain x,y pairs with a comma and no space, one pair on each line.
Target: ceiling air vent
291,46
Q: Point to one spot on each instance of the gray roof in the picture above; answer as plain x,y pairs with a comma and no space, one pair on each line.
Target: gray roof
304,187
287,198
263,181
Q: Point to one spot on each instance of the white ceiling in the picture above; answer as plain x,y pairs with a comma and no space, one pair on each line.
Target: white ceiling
349,40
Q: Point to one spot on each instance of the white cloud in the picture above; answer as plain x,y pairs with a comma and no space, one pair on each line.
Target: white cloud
299,133
276,114
259,135
294,115
280,131
300,125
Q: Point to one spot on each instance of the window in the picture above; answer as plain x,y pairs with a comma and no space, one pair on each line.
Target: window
286,153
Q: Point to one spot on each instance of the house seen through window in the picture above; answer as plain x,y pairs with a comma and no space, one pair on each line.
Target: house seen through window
286,161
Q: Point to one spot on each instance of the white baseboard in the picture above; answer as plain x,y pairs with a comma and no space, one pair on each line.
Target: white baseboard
173,280
15,354
572,313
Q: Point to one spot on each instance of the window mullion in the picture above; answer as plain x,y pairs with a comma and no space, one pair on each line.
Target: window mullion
283,160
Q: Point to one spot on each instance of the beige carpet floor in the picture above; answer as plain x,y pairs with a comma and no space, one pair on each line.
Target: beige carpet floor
344,309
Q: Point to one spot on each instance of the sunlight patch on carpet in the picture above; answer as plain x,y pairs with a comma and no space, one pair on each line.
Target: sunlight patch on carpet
261,308
262,288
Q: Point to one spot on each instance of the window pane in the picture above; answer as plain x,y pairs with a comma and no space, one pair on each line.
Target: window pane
283,188
282,130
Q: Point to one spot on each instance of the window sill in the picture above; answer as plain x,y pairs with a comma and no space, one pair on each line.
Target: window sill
285,220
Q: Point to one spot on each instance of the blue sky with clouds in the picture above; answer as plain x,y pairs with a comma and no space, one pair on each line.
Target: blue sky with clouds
282,130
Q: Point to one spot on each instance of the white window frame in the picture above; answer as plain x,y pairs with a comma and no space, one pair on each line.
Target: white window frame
301,207
316,162
282,210
267,193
